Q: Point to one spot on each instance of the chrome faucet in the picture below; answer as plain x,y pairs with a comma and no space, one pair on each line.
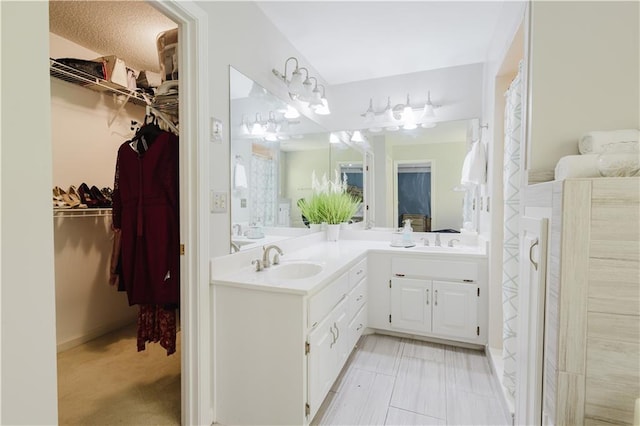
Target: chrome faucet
452,241
234,247
438,243
266,261
236,229
425,241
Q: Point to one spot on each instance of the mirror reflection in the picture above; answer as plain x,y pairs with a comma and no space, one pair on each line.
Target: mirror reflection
414,174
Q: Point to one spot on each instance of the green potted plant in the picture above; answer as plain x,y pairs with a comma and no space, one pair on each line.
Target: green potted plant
330,203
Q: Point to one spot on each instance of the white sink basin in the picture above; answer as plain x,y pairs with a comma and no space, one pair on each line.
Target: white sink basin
294,271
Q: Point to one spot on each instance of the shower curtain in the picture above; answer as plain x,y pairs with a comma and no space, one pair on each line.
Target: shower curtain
510,261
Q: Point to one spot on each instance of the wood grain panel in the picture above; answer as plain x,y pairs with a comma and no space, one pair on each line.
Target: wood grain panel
613,286
616,249
621,191
570,406
605,401
614,362
574,276
615,222
623,328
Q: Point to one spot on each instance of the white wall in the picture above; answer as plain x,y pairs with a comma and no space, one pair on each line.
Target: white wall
583,76
457,89
241,36
84,150
29,394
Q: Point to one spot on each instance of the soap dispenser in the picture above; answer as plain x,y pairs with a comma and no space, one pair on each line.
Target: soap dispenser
406,233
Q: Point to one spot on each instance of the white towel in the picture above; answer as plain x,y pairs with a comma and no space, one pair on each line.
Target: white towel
577,166
474,168
596,142
240,177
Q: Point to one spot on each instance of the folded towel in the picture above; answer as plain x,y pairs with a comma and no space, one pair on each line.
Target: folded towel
474,168
240,177
597,141
577,166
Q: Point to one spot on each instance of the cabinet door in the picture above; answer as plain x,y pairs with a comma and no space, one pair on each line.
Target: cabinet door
321,362
455,309
531,295
341,329
411,304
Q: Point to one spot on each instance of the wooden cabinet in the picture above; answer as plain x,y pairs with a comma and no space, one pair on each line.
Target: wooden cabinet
445,309
410,309
591,351
437,298
337,317
455,309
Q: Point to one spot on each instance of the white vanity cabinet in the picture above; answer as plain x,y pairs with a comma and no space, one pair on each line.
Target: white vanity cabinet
334,331
278,351
431,296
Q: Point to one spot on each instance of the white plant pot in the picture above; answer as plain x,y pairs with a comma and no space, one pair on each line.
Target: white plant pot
333,232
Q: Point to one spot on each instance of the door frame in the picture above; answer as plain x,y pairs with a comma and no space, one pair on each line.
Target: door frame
397,163
195,312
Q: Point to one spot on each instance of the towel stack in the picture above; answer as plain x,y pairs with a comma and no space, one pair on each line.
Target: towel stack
603,153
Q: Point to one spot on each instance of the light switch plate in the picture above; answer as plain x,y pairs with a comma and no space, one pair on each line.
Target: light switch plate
215,130
218,202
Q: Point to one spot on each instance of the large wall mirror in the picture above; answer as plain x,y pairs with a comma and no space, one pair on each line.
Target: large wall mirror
273,153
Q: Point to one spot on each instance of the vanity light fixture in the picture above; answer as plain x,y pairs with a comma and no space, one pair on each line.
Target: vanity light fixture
333,138
405,115
323,109
256,128
291,112
304,91
271,131
357,136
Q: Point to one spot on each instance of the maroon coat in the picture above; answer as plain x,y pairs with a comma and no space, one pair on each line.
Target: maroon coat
145,208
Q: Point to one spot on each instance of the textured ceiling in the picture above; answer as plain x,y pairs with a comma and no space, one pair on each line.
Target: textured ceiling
127,29
353,41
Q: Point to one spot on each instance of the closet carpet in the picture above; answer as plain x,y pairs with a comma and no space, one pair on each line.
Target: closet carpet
108,382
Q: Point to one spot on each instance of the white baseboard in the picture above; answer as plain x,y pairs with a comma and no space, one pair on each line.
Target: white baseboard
497,367
95,333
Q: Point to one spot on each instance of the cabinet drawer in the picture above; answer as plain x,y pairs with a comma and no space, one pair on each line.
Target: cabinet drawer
443,269
357,326
322,303
357,273
357,297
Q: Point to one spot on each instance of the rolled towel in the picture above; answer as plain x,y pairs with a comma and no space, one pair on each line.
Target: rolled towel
577,166
240,177
597,141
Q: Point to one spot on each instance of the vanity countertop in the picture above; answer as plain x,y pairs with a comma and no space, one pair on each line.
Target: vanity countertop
335,258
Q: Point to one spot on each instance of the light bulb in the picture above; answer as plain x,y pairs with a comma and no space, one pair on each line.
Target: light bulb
333,138
388,113
295,85
357,136
408,118
316,99
291,112
324,109
428,111
257,129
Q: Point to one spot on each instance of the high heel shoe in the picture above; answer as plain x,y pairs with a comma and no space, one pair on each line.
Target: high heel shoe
58,202
97,195
86,197
66,198
73,194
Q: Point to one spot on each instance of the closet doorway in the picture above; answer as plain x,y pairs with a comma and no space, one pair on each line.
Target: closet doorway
87,233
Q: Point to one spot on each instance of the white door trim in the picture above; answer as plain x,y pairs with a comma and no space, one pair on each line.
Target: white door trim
195,312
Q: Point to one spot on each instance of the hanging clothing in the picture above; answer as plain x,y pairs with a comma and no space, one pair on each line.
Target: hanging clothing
157,324
145,208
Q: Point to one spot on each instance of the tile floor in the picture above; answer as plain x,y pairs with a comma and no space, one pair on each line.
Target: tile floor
394,381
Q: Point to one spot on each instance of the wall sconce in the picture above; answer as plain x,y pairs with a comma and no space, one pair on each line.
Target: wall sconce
405,115
273,129
303,90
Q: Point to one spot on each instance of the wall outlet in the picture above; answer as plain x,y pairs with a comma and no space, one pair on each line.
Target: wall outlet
218,202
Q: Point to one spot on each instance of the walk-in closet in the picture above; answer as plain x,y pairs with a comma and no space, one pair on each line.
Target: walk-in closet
115,132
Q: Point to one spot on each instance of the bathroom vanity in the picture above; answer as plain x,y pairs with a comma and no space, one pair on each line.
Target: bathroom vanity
282,335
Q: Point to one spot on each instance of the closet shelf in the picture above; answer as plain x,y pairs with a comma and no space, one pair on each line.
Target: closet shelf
94,212
80,78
